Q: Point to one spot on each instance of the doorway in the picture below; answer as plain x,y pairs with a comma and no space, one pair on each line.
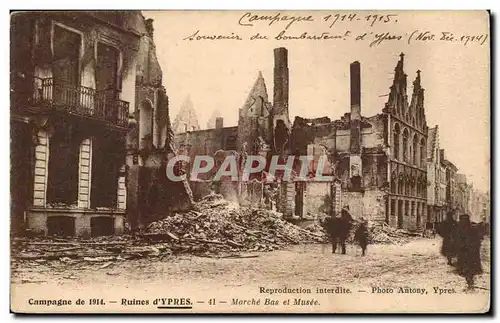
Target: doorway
400,214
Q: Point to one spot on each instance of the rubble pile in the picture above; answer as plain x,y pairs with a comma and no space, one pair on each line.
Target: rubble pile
213,228
317,229
383,234
218,225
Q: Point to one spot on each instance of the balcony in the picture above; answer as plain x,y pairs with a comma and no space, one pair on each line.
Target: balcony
47,95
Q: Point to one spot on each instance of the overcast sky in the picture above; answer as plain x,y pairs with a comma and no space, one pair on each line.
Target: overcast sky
219,74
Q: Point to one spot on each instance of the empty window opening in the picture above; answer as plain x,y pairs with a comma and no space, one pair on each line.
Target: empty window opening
146,123
60,225
107,84
65,66
102,226
108,156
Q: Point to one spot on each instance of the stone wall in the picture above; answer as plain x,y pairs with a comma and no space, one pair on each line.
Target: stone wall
38,218
355,202
206,142
431,183
343,140
374,136
374,206
369,204
374,170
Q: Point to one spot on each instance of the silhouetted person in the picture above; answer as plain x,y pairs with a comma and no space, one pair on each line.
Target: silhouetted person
468,243
361,236
447,229
339,229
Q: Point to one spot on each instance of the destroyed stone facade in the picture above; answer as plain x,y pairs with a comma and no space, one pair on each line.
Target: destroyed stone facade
377,160
388,168
87,105
378,163
72,88
150,194
480,206
407,136
448,186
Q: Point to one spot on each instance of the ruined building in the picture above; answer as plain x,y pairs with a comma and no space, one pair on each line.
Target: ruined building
450,172
150,194
186,119
407,138
86,105
378,163
463,191
436,178
479,208
254,131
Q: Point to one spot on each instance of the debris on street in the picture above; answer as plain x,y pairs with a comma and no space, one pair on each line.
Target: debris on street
383,234
214,227
218,225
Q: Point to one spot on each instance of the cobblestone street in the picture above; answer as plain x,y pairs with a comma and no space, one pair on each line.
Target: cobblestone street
414,266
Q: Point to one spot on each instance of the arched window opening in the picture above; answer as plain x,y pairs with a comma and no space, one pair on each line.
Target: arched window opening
423,154
146,124
396,135
394,183
415,151
405,146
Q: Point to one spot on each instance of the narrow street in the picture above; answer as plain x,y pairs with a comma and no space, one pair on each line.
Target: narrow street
417,265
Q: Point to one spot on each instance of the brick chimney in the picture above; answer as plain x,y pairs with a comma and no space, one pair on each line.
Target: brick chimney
280,118
219,123
280,98
355,108
355,90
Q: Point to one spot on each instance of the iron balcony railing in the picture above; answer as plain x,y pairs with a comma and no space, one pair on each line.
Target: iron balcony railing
81,100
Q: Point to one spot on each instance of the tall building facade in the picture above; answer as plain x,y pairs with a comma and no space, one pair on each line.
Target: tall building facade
434,201
86,105
73,82
408,154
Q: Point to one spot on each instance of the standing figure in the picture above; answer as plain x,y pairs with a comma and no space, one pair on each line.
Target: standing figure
447,229
468,243
339,228
361,236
